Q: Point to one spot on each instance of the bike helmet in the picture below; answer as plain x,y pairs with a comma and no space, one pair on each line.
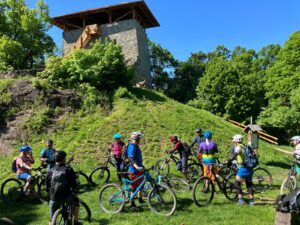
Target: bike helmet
237,138
296,138
25,148
117,136
173,138
198,130
136,135
207,134
60,156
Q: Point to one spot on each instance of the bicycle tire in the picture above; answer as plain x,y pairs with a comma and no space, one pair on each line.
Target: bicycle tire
162,167
16,190
99,176
289,184
194,171
84,182
87,215
158,202
6,221
262,179
178,185
111,198
229,189
59,218
203,191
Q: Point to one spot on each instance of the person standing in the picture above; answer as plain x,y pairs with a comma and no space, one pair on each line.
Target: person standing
117,147
47,155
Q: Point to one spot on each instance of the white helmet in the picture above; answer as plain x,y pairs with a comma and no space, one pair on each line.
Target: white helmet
237,138
136,135
296,138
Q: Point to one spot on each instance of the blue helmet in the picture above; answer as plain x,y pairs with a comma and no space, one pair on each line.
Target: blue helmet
25,148
117,136
207,134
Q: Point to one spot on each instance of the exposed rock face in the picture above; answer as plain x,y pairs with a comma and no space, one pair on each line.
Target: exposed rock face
24,94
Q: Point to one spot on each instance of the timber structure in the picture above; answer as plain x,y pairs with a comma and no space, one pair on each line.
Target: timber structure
124,23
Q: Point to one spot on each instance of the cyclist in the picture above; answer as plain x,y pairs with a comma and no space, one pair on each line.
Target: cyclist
208,149
23,164
244,173
198,139
47,155
296,142
135,168
180,149
63,186
117,147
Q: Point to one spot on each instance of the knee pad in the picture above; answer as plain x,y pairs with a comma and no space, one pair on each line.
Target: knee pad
249,185
30,179
237,185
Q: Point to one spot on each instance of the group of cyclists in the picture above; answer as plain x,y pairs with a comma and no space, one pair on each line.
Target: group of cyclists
61,178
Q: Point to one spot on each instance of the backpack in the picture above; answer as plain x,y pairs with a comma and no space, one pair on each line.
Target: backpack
187,148
14,166
125,156
288,203
59,180
250,158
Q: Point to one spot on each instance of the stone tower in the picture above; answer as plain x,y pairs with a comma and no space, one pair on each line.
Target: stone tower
124,23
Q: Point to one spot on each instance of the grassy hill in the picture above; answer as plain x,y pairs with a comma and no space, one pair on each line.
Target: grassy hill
86,134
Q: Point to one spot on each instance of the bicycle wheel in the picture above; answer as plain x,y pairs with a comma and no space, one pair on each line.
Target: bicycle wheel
178,185
99,176
162,200
6,221
59,218
162,167
288,185
203,191
84,211
84,184
111,198
194,171
230,191
262,179
12,190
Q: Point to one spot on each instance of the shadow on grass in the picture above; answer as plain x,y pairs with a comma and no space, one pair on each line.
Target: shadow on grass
279,164
144,94
101,221
183,204
20,213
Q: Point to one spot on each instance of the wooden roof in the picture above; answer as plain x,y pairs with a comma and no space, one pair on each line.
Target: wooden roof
109,14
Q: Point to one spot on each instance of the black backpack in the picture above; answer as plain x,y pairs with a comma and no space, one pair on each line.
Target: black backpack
59,180
14,166
187,148
250,158
289,203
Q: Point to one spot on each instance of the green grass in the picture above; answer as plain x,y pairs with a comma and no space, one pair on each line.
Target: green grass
87,135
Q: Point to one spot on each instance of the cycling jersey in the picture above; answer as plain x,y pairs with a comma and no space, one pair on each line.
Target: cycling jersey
134,151
208,149
198,140
118,147
49,155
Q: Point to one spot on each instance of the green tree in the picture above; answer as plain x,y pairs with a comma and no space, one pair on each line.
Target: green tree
163,66
25,27
282,90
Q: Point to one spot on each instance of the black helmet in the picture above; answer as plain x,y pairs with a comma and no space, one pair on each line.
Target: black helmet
60,156
198,130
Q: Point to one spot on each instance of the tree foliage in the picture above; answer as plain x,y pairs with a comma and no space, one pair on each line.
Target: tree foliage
102,66
23,32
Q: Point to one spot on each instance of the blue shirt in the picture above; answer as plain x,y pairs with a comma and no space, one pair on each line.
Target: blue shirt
134,151
198,140
49,154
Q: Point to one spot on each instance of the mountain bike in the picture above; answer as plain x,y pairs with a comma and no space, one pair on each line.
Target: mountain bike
193,170
204,187
290,182
12,188
161,199
262,178
6,221
64,215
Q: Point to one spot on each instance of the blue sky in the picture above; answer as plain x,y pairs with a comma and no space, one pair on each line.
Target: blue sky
193,25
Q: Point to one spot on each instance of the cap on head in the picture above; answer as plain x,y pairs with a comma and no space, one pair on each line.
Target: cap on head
207,134
198,130
117,136
25,148
60,156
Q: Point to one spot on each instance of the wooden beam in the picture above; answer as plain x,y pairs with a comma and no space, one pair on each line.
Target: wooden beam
72,25
121,17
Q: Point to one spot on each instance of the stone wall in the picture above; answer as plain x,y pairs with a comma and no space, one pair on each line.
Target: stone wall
127,33
20,73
